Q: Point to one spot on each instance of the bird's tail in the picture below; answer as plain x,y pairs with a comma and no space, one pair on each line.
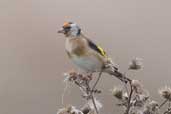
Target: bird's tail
114,72
120,76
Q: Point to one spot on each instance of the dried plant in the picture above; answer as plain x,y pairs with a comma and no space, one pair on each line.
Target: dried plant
135,64
165,93
132,97
83,82
69,110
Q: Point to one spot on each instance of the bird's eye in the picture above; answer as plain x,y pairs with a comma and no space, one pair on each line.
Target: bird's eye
67,28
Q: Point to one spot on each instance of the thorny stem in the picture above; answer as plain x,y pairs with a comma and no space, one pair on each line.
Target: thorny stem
163,103
129,99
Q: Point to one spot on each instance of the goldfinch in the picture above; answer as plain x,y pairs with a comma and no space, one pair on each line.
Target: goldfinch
87,55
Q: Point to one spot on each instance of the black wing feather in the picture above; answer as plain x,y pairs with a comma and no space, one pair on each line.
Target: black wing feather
96,48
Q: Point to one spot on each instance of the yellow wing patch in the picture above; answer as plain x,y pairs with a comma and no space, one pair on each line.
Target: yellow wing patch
103,53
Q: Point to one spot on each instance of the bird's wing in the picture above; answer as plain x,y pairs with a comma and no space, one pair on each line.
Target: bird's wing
96,48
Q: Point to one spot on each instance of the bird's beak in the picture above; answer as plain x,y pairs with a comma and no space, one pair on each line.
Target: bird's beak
61,30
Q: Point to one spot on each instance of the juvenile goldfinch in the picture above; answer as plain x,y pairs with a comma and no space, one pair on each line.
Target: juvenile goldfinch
87,55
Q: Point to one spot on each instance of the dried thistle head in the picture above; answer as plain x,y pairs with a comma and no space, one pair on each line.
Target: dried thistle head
69,110
137,86
64,110
89,108
151,108
125,96
140,100
165,93
153,104
117,92
73,76
70,76
135,64
143,97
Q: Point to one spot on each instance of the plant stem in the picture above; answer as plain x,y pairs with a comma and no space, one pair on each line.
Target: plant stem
94,103
91,91
163,103
94,86
129,99
92,98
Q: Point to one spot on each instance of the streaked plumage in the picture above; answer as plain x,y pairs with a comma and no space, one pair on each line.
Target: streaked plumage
87,55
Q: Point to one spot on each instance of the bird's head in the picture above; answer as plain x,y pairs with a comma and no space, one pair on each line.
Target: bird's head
70,29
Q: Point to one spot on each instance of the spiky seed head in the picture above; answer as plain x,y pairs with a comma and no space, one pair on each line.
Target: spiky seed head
117,92
135,64
165,93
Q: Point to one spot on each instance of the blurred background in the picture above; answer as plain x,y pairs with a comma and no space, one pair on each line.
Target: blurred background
33,59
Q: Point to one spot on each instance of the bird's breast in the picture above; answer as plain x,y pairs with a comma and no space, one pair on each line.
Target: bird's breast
75,47
87,63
